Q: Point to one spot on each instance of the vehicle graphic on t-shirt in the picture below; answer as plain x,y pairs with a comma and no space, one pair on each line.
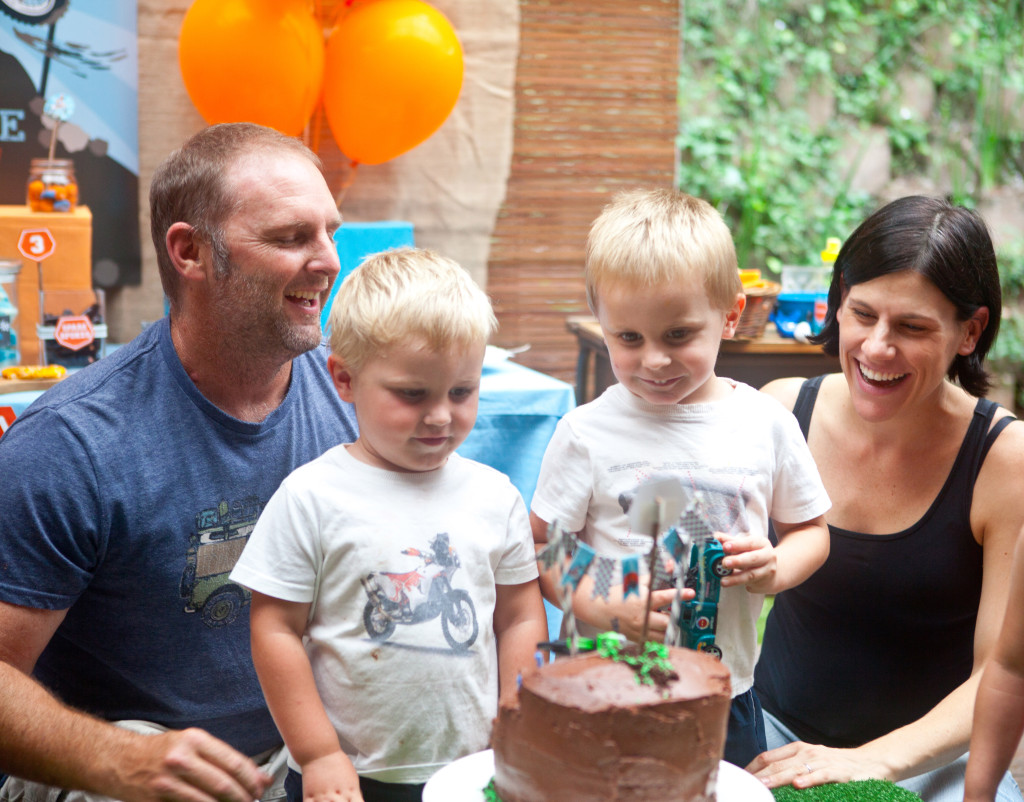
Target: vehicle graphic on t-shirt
421,594
221,534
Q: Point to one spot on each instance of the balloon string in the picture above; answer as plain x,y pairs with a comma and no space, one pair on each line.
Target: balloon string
353,170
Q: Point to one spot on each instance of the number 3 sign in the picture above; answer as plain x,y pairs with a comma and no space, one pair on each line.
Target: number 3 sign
36,244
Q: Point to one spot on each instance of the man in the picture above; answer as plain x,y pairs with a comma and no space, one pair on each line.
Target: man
130,488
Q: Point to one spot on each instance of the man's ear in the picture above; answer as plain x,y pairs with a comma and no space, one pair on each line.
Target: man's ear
733,315
185,250
342,378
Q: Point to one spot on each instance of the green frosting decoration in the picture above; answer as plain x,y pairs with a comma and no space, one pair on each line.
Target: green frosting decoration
651,663
491,793
857,791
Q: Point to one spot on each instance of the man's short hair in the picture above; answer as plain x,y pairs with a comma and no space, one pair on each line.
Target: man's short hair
403,294
645,238
192,186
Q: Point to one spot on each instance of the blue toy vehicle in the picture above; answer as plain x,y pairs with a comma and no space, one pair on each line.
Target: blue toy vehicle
698,617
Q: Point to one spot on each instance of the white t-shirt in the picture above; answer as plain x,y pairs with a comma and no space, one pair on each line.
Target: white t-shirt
745,454
410,703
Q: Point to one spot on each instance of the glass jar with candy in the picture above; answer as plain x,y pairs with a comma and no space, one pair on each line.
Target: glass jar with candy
52,186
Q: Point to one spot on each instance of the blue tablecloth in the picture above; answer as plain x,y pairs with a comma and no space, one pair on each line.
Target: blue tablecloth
519,408
17,402
356,241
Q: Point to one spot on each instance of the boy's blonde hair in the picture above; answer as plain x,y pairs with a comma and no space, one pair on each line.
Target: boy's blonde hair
404,293
644,238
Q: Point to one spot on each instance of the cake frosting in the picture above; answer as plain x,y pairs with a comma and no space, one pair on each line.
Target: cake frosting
586,729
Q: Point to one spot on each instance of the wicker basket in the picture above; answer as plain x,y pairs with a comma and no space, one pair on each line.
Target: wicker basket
761,300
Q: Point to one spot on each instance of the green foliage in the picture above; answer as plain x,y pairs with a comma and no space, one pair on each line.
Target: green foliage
1007,352
776,95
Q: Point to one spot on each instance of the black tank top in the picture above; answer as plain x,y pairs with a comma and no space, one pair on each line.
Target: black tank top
884,629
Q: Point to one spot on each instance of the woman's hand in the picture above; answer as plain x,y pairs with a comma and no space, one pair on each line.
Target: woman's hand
802,765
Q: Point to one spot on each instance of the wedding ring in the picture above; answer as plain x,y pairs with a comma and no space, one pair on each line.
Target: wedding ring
809,769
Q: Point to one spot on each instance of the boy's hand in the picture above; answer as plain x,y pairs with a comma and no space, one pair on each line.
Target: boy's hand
752,560
331,778
627,615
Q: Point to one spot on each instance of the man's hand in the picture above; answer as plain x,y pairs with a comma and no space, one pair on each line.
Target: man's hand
186,766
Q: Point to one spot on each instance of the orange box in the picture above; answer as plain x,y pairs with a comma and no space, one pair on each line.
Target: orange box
64,241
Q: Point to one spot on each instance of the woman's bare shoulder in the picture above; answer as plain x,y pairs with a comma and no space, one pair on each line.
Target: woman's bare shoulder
997,495
1009,445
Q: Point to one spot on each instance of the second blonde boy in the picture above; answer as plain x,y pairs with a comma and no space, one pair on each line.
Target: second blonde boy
395,585
662,280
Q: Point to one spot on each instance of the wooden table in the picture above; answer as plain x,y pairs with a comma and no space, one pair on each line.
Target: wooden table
21,385
754,362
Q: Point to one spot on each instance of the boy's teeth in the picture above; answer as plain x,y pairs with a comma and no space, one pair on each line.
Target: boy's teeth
305,296
880,377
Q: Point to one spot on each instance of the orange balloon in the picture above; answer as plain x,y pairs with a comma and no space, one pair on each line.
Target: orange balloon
393,73
258,61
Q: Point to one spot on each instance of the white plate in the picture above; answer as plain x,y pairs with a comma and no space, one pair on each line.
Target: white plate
465,779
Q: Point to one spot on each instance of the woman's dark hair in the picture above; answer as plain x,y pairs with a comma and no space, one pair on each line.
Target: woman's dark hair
947,244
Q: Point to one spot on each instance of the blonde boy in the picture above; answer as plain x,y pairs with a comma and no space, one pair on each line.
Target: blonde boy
394,585
662,279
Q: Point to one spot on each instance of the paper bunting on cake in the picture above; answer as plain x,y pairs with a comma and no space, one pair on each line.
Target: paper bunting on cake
603,573
673,634
672,547
578,567
630,576
662,576
549,555
694,520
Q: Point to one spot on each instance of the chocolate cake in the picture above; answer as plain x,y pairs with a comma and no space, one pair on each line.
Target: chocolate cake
588,729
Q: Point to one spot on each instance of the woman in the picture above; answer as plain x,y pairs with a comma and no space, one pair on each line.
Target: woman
869,669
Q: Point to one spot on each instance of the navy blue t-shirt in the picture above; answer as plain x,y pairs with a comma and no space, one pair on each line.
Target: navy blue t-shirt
126,499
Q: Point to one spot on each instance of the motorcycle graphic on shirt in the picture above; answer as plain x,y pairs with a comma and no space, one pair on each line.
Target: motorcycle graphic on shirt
422,594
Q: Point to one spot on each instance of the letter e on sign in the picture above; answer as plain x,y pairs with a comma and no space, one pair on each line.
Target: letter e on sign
6,418
36,244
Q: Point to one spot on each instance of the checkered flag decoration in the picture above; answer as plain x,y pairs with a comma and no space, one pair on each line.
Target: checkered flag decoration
603,572
694,521
578,559
693,528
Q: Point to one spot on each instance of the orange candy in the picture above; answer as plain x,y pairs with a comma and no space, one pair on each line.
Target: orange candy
44,197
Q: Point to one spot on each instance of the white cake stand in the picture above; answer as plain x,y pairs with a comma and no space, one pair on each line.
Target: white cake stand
464,780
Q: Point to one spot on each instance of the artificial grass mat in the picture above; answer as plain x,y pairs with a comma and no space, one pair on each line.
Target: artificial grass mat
857,791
